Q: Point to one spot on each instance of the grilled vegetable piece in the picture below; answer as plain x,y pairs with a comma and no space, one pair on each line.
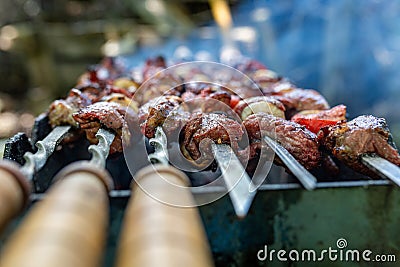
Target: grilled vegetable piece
366,134
314,120
299,141
264,104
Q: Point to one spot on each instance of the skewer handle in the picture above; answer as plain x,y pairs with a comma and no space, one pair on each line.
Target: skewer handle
159,234
68,227
14,192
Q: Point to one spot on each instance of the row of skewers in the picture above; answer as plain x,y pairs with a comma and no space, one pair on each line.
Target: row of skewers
190,108
213,115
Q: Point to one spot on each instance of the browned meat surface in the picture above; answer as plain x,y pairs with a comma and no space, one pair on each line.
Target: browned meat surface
265,104
367,134
299,141
163,83
60,111
337,113
209,100
302,99
295,99
109,115
108,69
203,129
206,90
154,113
152,66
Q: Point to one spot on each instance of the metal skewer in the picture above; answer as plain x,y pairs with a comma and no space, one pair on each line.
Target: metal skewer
100,151
382,167
34,162
72,217
236,179
305,177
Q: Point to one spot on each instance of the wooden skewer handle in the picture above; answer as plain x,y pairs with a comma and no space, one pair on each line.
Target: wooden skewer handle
14,191
68,227
158,234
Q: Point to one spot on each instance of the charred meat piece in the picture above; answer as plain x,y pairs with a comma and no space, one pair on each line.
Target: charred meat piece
367,134
299,141
296,99
60,111
203,129
110,115
154,113
206,90
249,66
314,120
208,98
264,104
152,66
108,69
163,83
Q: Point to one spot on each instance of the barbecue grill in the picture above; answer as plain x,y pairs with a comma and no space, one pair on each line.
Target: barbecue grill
352,206
283,215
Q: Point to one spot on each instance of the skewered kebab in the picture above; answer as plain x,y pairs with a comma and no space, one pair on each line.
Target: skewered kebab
204,92
61,119
357,141
294,98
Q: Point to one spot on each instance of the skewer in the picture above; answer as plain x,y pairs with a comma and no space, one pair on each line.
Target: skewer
382,167
236,179
69,225
305,177
34,162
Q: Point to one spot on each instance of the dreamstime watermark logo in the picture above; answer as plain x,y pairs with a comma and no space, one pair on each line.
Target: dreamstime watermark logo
338,253
194,83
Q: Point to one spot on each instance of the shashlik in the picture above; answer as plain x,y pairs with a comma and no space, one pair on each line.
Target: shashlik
299,119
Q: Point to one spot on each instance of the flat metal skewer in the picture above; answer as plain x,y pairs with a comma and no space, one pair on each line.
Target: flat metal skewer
305,177
382,167
34,162
100,151
159,142
236,179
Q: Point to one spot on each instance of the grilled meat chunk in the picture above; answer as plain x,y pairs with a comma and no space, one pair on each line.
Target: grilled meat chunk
152,66
367,134
60,111
110,115
296,99
153,113
265,104
207,98
203,129
299,141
